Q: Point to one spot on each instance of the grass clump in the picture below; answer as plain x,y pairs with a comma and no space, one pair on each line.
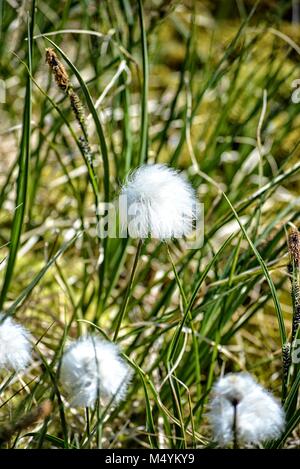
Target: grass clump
206,90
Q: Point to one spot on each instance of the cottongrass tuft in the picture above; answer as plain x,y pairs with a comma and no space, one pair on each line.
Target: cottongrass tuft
156,201
15,346
259,417
93,367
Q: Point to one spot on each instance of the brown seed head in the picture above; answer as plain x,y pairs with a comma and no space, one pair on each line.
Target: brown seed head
294,247
59,71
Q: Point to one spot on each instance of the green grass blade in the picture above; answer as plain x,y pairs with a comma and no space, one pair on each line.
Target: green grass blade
265,270
23,167
145,85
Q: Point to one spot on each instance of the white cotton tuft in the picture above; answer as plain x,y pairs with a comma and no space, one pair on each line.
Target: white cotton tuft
156,201
15,346
91,367
259,416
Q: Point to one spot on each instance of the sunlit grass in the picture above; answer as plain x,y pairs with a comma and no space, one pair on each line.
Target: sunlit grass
182,85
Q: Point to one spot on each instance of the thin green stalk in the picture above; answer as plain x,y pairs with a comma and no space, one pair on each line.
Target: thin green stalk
23,164
262,263
145,86
123,309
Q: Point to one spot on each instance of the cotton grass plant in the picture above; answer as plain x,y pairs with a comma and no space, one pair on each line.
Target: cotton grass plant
155,202
243,413
15,345
92,369
168,103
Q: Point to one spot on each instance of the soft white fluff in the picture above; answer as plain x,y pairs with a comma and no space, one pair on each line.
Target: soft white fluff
259,416
15,346
157,201
90,365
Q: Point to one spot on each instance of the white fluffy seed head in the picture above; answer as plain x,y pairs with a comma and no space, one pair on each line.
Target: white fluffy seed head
93,367
15,346
259,415
156,201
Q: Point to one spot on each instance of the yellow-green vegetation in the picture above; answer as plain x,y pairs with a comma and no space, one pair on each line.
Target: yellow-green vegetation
209,88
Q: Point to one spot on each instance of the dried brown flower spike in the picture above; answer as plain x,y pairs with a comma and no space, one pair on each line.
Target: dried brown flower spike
294,247
286,360
294,271
63,82
59,71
